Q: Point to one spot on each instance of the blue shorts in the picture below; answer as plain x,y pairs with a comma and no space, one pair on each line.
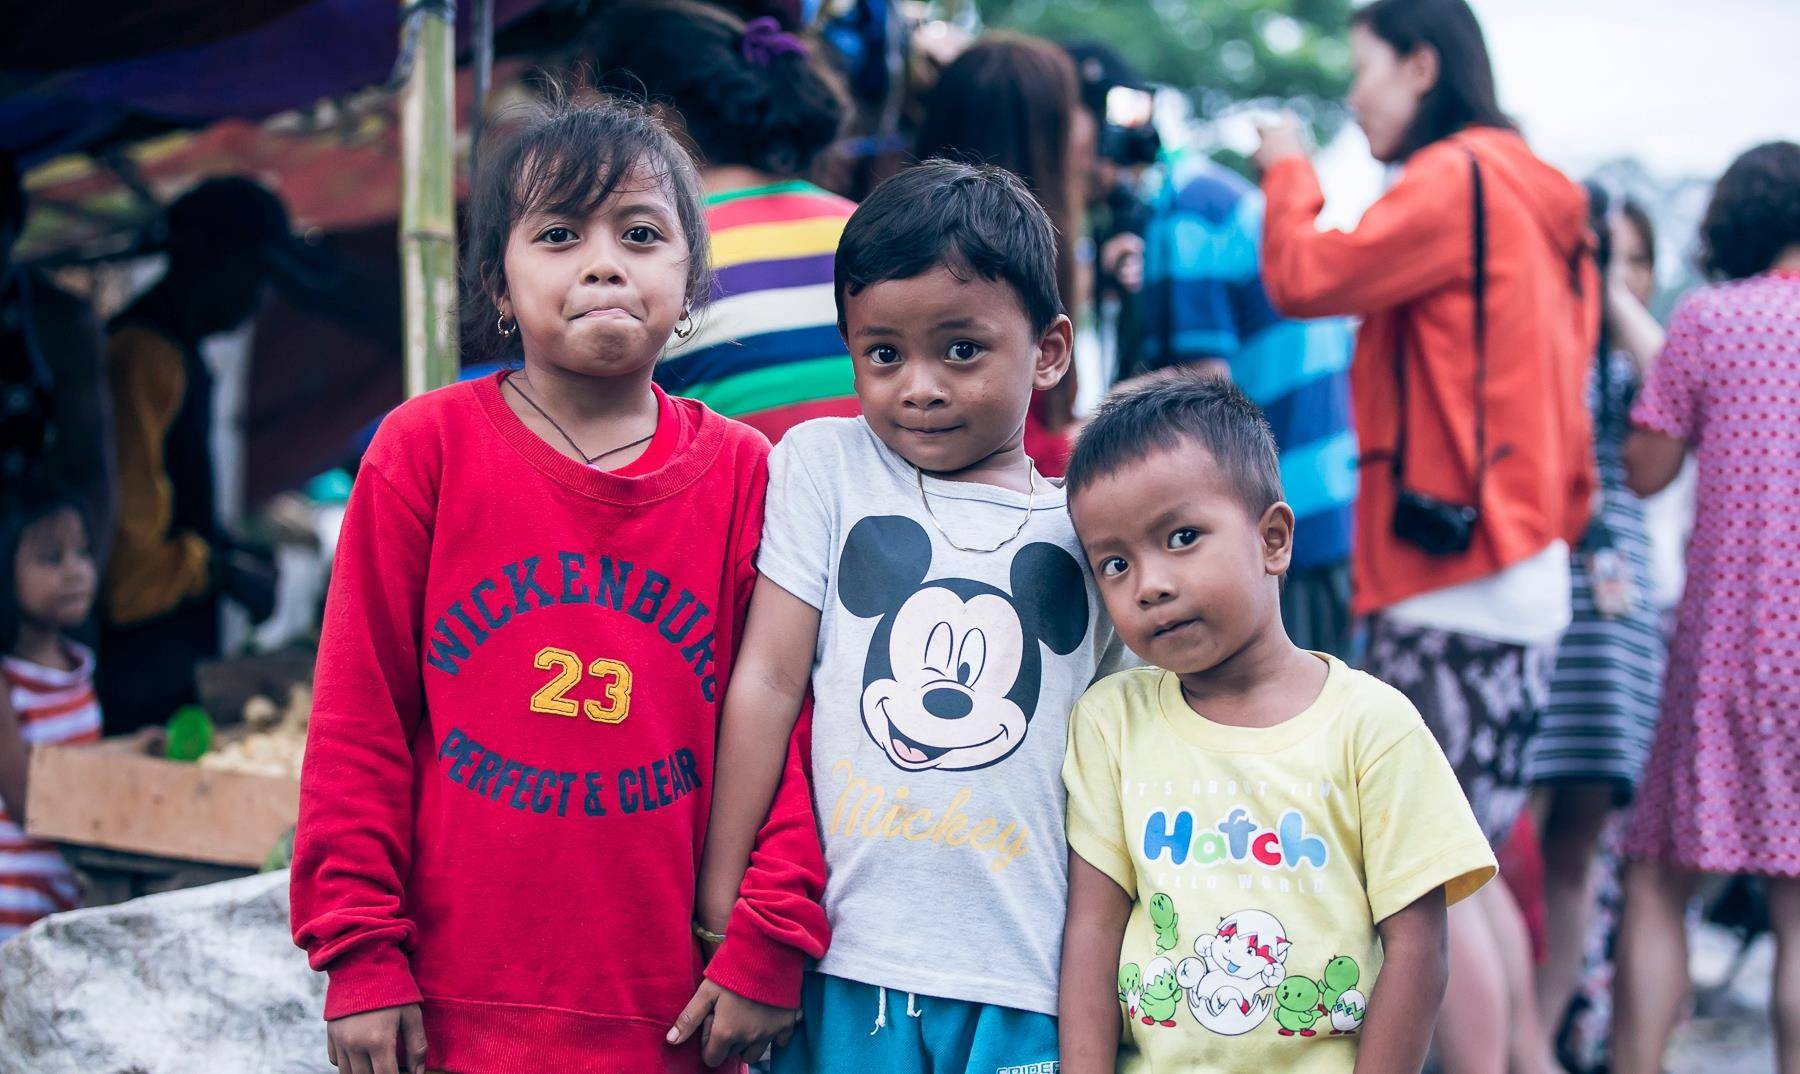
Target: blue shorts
850,1026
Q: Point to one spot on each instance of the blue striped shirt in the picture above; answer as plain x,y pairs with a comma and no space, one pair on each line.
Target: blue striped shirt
1204,299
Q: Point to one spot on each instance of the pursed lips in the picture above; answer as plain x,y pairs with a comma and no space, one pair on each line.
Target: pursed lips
600,312
1176,626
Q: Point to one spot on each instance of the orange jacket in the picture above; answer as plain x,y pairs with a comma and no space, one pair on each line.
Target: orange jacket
1408,271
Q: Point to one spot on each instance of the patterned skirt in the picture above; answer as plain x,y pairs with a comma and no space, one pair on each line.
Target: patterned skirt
1482,700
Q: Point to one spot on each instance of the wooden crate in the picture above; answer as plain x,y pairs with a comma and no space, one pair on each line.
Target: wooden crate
115,794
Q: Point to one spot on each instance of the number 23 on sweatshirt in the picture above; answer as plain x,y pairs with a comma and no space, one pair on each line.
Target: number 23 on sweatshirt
509,768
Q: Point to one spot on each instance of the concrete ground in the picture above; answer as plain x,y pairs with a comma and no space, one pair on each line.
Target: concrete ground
1730,1033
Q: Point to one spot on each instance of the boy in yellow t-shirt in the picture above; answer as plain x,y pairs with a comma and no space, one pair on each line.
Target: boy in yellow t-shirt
1262,841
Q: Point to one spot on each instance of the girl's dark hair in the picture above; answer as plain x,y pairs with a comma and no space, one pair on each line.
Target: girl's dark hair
1639,219
1010,100
25,504
1754,213
1464,93
972,219
770,106
566,157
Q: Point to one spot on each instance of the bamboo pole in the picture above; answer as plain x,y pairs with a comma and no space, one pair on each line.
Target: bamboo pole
428,193
484,78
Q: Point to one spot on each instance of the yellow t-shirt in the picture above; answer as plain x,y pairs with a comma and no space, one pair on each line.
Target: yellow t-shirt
1260,861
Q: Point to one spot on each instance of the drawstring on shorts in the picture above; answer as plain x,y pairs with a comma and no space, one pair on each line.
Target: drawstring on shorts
912,1009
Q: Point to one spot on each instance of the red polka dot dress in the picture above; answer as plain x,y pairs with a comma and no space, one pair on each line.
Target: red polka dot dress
1722,790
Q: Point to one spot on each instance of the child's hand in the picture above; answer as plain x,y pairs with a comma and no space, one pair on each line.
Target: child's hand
731,1025
373,1042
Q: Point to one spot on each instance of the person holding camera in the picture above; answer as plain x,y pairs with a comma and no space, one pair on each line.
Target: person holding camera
1475,280
1119,106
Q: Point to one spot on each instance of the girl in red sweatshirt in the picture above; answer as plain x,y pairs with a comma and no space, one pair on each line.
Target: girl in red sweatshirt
538,591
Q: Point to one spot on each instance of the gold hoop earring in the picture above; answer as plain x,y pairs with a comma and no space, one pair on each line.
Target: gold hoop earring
503,328
687,317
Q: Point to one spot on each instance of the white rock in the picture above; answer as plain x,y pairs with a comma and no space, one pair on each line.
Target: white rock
187,982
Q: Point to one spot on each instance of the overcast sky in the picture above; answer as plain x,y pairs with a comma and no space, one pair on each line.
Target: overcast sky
1684,85
1681,85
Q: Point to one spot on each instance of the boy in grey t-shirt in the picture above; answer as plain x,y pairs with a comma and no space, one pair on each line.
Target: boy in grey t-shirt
925,582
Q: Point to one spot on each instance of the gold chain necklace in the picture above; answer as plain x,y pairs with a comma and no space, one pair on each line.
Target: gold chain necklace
1030,503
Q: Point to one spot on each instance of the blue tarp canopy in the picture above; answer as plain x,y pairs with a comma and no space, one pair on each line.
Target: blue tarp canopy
191,65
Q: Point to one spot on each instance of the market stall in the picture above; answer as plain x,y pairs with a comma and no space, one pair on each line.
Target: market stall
347,108
213,795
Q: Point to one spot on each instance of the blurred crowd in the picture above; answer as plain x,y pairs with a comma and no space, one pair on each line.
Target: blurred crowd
1470,398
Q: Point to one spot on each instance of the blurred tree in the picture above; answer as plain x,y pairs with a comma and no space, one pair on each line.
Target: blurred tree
1220,51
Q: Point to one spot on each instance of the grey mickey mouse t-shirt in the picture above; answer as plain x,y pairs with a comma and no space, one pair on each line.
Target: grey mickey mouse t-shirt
942,687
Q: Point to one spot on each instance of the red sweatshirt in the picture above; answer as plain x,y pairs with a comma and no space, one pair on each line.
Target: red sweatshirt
510,763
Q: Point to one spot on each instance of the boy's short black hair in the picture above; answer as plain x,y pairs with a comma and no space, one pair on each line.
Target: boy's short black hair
974,219
563,155
1176,406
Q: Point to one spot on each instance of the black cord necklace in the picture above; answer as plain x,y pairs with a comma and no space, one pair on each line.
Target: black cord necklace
584,456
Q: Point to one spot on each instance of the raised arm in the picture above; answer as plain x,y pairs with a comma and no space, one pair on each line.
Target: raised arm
84,458
1412,241
1634,329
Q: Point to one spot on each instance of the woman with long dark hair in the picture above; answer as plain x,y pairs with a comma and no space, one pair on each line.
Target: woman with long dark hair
758,105
1476,286
1014,101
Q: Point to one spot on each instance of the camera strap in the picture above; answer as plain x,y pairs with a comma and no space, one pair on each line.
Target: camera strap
1480,288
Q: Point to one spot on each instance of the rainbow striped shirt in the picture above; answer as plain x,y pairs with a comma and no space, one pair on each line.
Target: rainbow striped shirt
767,350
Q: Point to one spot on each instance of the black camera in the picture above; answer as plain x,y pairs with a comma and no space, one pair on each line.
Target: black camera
1435,527
1129,137
1120,102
